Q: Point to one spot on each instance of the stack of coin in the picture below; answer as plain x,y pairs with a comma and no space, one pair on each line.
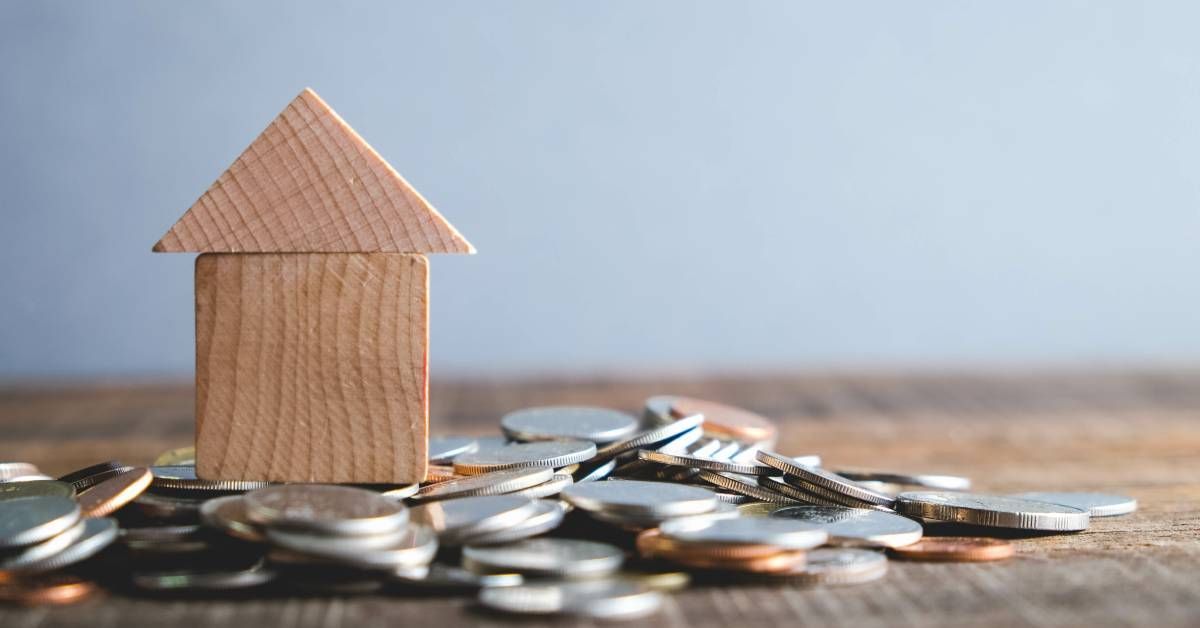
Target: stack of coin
531,520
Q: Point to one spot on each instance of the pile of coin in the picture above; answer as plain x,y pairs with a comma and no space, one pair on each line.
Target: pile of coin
567,510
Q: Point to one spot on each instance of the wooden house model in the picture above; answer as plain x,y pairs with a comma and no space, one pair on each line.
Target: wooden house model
312,311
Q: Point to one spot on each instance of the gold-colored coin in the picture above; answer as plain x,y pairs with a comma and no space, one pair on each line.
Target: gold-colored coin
440,473
110,495
956,549
178,456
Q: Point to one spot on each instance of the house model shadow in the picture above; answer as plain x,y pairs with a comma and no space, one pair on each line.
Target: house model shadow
312,310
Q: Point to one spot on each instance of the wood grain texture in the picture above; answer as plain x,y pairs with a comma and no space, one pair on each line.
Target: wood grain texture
1134,432
312,367
309,183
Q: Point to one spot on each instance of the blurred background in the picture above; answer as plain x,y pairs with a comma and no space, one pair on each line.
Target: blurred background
652,186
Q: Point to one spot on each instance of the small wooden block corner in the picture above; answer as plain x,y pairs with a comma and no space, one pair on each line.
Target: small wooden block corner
312,367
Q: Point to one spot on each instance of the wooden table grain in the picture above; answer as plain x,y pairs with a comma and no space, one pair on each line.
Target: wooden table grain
1132,432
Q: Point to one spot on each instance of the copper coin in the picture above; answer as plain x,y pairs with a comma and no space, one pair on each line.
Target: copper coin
49,589
726,420
781,562
435,473
111,494
652,543
956,549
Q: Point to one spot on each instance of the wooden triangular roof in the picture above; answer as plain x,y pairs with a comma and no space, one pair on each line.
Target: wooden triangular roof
309,183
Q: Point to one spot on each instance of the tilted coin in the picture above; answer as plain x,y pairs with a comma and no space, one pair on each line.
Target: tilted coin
446,578
956,549
639,497
16,559
435,473
841,565
28,520
821,478
726,420
454,519
991,510
782,533
414,545
550,454
695,462
493,483
549,488
600,599
56,589
598,425
35,488
927,480
326,508
228,514
90,476
110,495
650,438
745,485
736,499
97,534
178,456
1096,504
183,478
443,449
9,470
812,493
594,472
567,558
400,492
856,526
657,410
760,509
548,516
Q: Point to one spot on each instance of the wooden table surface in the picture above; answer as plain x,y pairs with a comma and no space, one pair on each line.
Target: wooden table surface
1129,432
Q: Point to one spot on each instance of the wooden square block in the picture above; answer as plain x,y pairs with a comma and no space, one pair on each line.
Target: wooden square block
312,367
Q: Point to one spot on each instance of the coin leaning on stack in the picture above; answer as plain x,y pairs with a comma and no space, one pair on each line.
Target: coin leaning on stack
532,520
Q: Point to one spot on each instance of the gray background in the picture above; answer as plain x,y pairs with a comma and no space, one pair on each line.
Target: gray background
651,185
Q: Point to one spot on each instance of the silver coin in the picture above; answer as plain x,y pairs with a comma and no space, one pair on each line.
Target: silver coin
592,473
940,482
255,576
991,510
228,514
641,498
549,488
650,438
88,477
600,599
712,464
443,449
168,507
684,443
657,410
598,425
549,454
414,545
29,520
760,509
325,508
821,478
453,579
834,566
454,519
856,526
183,478
159,534
493,483
98,534
18,558
744,485
784,533
10,470
1096,504
401,492
639,522
801,491
548,516
735,499
566,558
18,489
